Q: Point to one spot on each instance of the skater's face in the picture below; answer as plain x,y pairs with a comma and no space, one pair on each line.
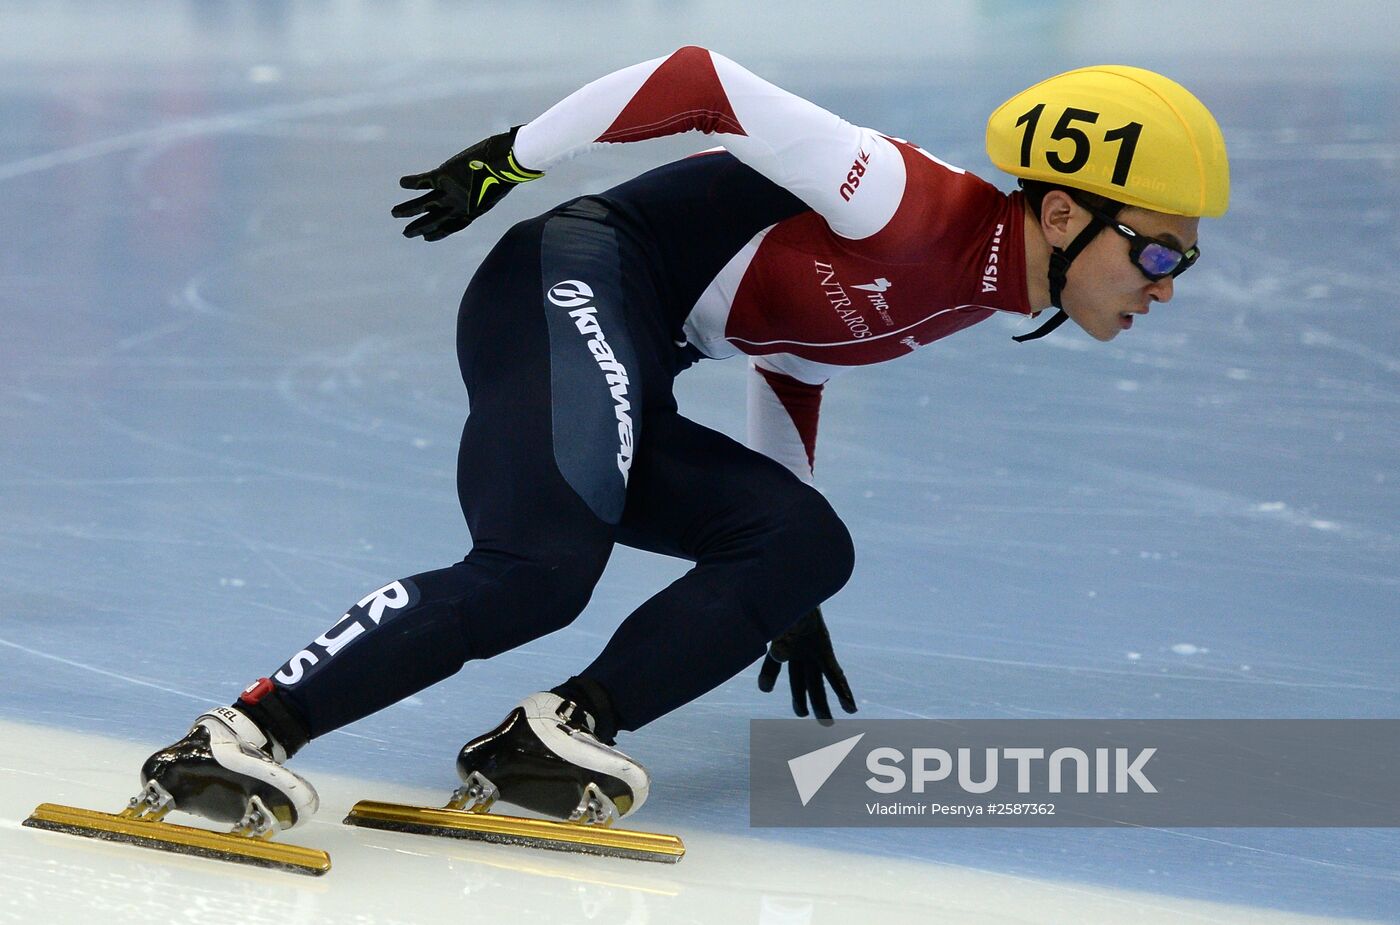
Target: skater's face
1106,289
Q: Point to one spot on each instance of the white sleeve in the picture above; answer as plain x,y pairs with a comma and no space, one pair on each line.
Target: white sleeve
853,177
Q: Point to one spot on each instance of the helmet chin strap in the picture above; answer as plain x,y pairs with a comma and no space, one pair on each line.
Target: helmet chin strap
1059,269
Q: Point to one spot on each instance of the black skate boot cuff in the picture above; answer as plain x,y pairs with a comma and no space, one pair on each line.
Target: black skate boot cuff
594,699
277,721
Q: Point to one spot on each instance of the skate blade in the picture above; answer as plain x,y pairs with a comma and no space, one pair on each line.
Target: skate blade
516,830
181,839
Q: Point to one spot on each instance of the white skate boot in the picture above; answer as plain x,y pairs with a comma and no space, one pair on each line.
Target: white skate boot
227,770
224,769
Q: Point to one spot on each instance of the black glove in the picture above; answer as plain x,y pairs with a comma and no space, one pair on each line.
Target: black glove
807,650
464,187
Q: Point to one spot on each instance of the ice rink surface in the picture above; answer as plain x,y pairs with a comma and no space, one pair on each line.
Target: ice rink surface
230,405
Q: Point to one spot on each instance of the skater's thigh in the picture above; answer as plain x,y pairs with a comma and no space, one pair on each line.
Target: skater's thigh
552,375
694,489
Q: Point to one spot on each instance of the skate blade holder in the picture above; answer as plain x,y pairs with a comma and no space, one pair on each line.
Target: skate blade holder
142,823
467,815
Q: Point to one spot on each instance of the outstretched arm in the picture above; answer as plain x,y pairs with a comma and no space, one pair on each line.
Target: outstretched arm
854,177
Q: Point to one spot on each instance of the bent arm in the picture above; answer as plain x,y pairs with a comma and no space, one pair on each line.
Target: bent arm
853,177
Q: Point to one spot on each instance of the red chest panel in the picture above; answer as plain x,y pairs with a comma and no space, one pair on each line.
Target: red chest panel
950,257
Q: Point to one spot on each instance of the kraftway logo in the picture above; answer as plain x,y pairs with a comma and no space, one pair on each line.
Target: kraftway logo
1113,769
578,295
571,293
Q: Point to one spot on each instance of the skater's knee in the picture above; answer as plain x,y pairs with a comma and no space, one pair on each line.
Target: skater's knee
528,595
840,555
558,586
814,544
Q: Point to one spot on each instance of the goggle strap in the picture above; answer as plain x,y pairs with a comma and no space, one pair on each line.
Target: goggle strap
1059,269
1055,321
1082,240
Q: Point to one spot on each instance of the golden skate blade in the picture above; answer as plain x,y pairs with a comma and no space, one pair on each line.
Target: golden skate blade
181,839
515,830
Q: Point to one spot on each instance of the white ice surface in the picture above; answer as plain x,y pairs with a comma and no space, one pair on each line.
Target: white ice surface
389,878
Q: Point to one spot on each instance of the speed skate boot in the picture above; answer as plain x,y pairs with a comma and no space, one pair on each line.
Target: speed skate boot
228,770
546,758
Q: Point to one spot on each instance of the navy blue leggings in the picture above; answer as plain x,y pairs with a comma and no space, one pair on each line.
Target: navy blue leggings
573,444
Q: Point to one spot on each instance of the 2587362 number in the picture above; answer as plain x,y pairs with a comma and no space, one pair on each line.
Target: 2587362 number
1126,136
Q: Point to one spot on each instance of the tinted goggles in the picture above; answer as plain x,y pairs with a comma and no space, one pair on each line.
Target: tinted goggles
1155,258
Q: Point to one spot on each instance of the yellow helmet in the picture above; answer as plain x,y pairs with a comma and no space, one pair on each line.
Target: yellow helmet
1121,132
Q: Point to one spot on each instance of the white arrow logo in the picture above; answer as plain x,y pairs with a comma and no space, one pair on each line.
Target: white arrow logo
880,285
812,770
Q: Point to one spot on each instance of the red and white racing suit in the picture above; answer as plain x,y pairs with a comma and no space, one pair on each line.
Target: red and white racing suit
889,248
